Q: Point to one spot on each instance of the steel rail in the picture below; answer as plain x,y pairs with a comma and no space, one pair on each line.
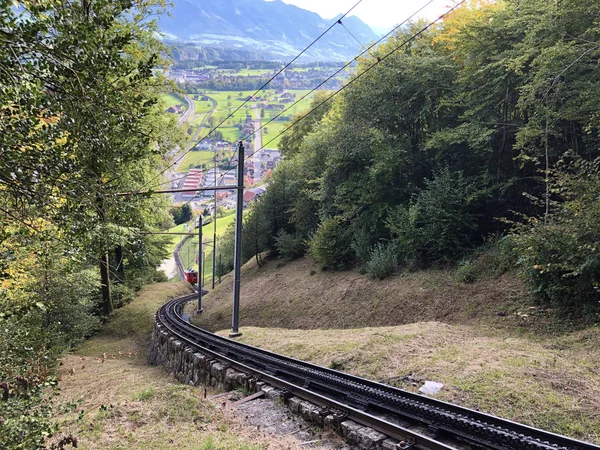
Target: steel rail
381,425
358,395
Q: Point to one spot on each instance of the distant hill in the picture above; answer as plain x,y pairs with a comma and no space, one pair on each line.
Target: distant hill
272,28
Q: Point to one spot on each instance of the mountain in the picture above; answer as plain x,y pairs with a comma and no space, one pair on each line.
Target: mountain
274,28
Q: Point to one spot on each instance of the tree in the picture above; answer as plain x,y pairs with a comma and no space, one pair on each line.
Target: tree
182,214
80,120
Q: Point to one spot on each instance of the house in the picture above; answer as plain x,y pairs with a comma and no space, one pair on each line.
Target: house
229,180
252,194
192,181
175,109
248,197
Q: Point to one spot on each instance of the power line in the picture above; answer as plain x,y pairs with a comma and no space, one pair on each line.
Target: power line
379,60
360,75
260,89
345,66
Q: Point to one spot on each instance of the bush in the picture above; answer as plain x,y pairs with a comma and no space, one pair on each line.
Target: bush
383,262
159,276
24,401
560,255
330,246
289,245
438,226
182,214
467,271
494,258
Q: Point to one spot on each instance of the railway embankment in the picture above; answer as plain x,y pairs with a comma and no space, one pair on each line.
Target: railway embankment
110,398
486,342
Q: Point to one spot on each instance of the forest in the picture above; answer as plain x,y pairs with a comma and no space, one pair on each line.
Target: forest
472,144
80,120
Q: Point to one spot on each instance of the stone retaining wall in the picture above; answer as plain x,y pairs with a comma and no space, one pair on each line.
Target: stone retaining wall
195,369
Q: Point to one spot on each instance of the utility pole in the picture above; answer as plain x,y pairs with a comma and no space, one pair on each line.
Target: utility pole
237,259
199,282
104,261
105,280
220,268
214,255
120,268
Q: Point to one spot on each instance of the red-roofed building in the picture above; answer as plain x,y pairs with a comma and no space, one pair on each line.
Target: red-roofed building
248,197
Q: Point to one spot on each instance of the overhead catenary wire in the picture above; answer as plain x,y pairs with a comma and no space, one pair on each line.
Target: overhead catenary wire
344,67
360,75
357,77
329,78
316,88
260,89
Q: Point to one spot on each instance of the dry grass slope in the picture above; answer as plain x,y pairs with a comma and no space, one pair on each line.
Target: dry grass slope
552,384
115,401
490,348
297,294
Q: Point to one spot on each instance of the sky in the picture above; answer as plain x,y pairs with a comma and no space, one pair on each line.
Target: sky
381,15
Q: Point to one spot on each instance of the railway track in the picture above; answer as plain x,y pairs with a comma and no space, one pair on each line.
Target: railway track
419,421
177,258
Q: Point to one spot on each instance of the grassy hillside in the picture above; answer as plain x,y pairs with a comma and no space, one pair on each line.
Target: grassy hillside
486,342
121,403
297,294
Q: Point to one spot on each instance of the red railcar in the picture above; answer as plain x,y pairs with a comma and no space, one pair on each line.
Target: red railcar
191,276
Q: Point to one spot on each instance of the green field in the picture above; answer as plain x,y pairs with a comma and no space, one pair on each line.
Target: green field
249,72
175,239
195,158
277,126
172,100
226,103
202,106
274,128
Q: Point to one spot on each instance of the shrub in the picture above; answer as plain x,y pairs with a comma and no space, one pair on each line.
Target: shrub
24,401
495,257
383,262
560,255
289,245
467,271
438,226
331,245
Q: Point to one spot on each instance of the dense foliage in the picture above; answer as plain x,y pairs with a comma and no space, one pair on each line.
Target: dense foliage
182,214
428,154
80,120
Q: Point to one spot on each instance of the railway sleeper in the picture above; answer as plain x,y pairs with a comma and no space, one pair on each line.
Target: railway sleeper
191,367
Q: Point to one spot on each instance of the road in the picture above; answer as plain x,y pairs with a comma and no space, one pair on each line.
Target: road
194,139
195,136
190,111
175,152
256,145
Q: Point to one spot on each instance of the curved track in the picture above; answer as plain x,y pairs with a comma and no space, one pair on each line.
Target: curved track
395,412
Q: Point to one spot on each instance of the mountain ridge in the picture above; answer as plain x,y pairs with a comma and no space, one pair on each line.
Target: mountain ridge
275,28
